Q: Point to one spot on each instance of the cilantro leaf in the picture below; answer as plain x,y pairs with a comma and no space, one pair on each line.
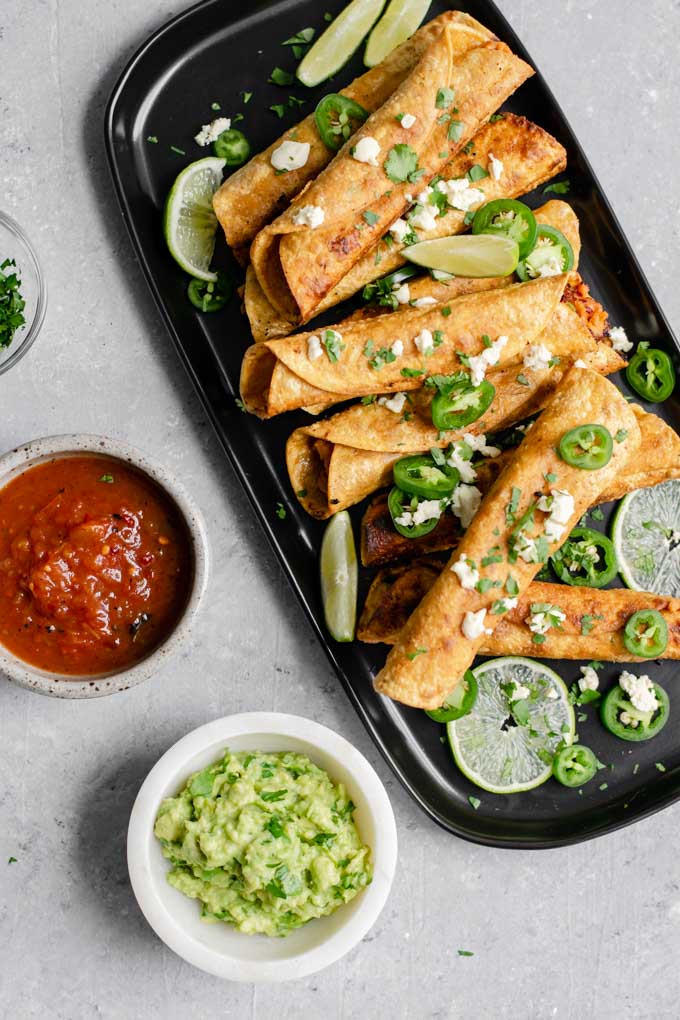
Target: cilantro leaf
401,163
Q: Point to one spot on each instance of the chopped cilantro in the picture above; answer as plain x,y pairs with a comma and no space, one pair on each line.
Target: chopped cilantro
274,826
370,217
414,655
468,218
278,108
301,493
474,801
402,164
477,173
215,106
293,101
621,435
369,399
106,478
180,152
412,373
597,514
272,795
588,622
455,132
560,188
660,766
466,952
247,96
153,139
445,97
550,476
280,511
280,77
446,311
496,116
511,586
12,860
382,357
522,380
239,403
332,342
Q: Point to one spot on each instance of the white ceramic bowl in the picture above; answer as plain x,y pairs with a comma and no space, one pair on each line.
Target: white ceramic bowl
57,685
217,948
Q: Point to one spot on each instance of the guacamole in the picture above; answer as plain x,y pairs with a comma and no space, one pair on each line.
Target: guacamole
266,842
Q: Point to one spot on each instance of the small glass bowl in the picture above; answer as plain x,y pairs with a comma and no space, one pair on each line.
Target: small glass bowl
15,245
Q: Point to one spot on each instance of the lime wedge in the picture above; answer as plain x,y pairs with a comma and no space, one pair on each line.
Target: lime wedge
336,45
189,223
506,744
399,21
646,537
466,255
339,574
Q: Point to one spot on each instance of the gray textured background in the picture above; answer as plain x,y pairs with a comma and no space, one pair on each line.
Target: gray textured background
593,931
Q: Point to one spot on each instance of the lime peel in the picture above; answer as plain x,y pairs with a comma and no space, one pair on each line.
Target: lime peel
335,46
339,577
189,221
397,24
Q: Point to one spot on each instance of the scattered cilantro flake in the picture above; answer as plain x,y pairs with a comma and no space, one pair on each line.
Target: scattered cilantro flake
272,795
477,173
180,152
550,477
280,77
474,801
401,163
444,154
597,514
636,768
153,139
247,96
274,826
468,147
603,786
106,478
301,493
293,101
455,132
414,655
278,108
621,435
468,218
511,586
496,116
239,403
328,16
12,860
370,217
445,97
215,106
446,311
588,622
281,513
466,952
559,188
369,400
522,380
12,303
660,766
412,373
333,345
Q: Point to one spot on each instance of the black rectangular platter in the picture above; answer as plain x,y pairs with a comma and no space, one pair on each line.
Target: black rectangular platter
212,52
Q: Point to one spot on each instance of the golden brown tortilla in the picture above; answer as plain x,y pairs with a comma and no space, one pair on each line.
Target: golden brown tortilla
424,679
254,195
278,375
396,592
297,266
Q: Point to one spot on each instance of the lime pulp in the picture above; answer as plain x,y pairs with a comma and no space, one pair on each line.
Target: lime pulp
397,24
646,537
336,45
189,222
339,577
471,255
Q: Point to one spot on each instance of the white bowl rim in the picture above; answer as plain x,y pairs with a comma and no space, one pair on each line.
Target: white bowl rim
36,451
140,843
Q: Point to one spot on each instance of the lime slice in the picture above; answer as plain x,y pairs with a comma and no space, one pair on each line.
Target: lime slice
466,255
189,223
506,745
399,21
339,573
336,45
646,536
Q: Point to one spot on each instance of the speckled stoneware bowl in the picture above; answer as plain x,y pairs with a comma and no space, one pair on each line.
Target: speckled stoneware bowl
96,686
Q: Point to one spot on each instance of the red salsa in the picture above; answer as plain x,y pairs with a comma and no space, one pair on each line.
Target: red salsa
95,565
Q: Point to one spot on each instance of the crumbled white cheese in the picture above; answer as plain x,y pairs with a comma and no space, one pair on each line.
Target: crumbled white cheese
423,302
467,574
478,444
367,150
427,510
506,604
473,625
580,363
424,217
408,197
537,357
314,348
640,690
394,403
402,293
495,167
459,458
559,506
460,195
541,620
552,694
590,681
290,155
210,132
465,503
520,692
397,348
399,230
408,120
620,341
479,363
424,342
309,216
551,267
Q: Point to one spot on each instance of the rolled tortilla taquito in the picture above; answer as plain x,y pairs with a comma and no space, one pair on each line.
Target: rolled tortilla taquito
256,194
446,631
282,375
298,265
529,156
592,629
656,460
337,461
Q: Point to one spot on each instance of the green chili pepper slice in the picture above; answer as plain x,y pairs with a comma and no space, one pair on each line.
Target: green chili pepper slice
624,720
460,701
337,117
420,476
574,765
510,218
651,374
210,295
401,503
551,246
646,634
233,147
587,558
587,446
461,403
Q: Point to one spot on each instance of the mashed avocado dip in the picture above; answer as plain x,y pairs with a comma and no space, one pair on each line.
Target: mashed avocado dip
266,842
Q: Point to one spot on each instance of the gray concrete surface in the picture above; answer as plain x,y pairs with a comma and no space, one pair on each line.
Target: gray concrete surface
593,931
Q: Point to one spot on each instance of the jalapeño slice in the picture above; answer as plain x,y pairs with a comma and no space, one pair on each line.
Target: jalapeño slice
337,117
460,701
210,295
552,252
461,403
420,476
402,504
574,765
651,374
646,634
233,147
624,720
587,558
587,446
511,218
